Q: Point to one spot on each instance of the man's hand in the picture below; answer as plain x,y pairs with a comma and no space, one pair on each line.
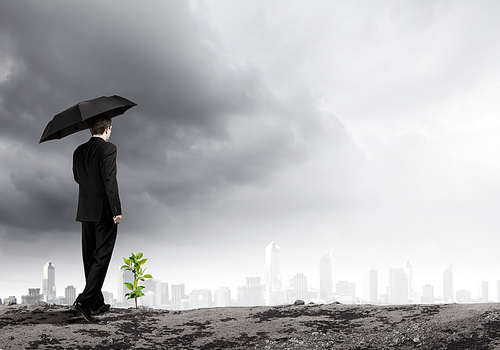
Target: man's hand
117,218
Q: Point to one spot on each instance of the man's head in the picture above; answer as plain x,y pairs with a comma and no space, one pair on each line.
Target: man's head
99,125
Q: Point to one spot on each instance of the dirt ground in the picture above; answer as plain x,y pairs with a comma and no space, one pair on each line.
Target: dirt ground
313,326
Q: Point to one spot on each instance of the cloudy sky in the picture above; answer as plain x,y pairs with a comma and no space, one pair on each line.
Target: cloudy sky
368,127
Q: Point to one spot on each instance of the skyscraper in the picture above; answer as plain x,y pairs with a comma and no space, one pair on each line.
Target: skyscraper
124,276
398,286
178,295
448,285
162,297
428,294
482,291
49,282
70,294
370,286
408,269
299,284
274,293
326,276
222,297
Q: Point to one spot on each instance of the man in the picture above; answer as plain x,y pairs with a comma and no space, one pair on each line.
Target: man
99,211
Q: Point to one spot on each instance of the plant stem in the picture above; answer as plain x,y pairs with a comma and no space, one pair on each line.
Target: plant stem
135,277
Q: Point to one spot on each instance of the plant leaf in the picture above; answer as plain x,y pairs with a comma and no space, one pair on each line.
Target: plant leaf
124,267
140,287
140,294
148,276
127,261
139,256
143,261
128,285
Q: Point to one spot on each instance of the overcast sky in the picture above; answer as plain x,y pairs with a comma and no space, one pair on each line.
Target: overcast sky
371,127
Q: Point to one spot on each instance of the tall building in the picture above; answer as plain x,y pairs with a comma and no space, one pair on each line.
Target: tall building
49,282
70,294
370,286
482,291
408,269
299,285
162,297
178,295
428,294
398,287
222,297
251,293
326,276
124,276
150,285
448,285
274,292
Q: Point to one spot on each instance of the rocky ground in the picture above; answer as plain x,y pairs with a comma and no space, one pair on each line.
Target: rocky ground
329,326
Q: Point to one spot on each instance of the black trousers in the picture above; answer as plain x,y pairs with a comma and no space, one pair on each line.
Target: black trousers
98,241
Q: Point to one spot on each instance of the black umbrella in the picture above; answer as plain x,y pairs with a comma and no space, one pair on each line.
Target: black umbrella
75,118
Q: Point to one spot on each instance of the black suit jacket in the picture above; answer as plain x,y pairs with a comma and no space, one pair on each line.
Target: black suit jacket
94,169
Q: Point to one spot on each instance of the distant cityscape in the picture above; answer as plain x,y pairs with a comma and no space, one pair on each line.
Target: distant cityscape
270,289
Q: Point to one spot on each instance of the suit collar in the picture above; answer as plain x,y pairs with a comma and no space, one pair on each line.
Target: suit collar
96,139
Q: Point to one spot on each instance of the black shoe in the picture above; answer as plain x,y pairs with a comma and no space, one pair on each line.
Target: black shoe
102,309
84,311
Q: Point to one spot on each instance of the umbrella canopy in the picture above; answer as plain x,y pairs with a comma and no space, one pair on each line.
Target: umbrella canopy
75,118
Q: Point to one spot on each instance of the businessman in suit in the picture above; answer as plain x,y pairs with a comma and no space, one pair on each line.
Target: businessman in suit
99,211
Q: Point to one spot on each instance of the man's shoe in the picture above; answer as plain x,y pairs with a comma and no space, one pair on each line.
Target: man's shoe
102,309
84,311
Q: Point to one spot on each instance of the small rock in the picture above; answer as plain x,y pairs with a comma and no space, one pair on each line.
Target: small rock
299,302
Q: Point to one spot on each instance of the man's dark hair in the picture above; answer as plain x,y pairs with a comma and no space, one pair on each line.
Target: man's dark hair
99,124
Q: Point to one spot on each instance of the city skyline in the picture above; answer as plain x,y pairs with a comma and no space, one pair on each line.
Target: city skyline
273,291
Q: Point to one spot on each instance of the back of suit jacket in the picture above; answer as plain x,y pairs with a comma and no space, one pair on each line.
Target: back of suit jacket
94,169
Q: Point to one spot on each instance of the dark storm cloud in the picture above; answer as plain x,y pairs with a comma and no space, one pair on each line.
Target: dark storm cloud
202,124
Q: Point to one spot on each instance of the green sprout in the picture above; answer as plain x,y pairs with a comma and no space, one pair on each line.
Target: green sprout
133,264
